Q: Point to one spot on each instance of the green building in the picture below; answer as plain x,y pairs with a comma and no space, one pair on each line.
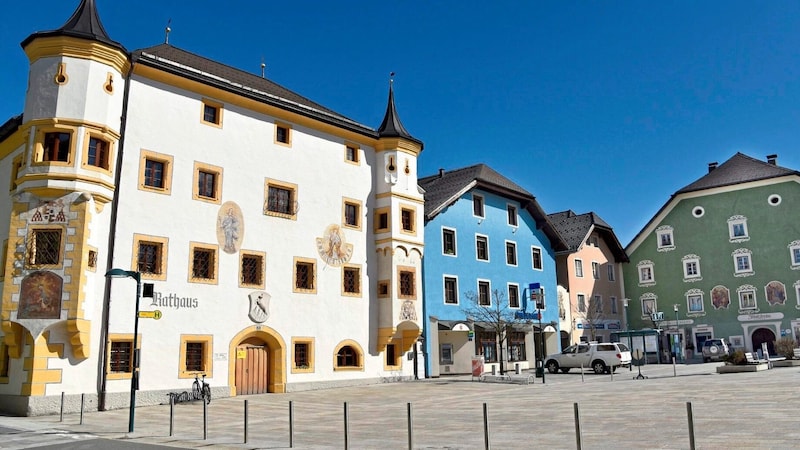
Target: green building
721,259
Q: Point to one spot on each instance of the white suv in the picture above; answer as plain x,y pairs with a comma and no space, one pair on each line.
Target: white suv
715,350
604,357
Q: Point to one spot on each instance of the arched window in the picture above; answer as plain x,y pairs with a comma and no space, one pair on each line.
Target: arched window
348,356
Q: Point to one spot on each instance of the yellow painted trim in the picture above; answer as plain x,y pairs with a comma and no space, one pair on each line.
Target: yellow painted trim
214,248
377,221
4,260
38,144
359,277
97,127
311,350
213,104
398,359
276,354
120,337
16,166
163,243
398,241
388,293
32,229
108,87
217,172
395,195
251,104
359,208
5,361
384,336
284,185
356,153
61,46
65,177
398,144
413,271
208,352
61,77
313,262
359,354
167,160
288,128
413,213
262,256
110,152
91,262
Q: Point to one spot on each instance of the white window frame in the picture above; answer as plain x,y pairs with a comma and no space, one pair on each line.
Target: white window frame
646,267
509,209
509,288
455,242
595,270
688,261
535,249
695,293
742,292
651,300
445,277
580,303
579,268
489,294
482,199
794,255
733,222
477,257
660,233
516,255
743,254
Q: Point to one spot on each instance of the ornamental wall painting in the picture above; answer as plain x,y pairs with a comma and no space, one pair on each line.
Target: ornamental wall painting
230,227
776,293
40,296
720,297
332,247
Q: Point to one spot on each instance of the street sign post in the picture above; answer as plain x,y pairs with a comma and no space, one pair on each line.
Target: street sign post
150,314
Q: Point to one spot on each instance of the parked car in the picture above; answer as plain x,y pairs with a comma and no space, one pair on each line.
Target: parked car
601,357
715,350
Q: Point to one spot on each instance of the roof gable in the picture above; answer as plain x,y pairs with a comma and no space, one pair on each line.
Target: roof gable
575,228
740,168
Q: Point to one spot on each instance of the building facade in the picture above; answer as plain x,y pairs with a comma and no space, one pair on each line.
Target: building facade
721,259
276,245
490,240
590,273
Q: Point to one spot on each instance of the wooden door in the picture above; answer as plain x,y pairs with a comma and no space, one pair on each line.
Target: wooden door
251,369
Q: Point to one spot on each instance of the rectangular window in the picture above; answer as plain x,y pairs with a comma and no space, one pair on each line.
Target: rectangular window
91,260
738,230
407,218
391,355
446,354
252,269
691,268
351,280
154,173
665,238
511,253
694,302
204,263
743,263
16,166
97,155
477,205
212,113
304,275
795,255
45,247
56,146
381,221
595,270
511,210
352,214
121,357
747,300
482,247
451,290
581,303
149,260
383,289
536,256
516,346
598,304
407,284
281,199
283,134
301,355
206,184
449,241
488,346
611,274
579,268
513,296
484,293
646,273
613,302
351,153
195,352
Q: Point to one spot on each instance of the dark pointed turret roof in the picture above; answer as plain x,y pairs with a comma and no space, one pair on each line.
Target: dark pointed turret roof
84,23
391,125
445,188
575,228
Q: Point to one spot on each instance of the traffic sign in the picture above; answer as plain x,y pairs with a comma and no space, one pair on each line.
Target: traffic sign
150,314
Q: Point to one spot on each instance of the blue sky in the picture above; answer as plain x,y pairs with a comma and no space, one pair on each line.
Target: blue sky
591,106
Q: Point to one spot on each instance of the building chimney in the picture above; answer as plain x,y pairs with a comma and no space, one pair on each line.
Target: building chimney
441,173
772,159
712,166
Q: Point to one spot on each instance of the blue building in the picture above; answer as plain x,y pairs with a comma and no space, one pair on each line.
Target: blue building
486,240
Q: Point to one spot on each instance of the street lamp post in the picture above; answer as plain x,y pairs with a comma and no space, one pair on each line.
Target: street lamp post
121,273
627,330
677,344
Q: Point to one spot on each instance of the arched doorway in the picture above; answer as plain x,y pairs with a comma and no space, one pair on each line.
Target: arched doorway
257,362
764,335
564,340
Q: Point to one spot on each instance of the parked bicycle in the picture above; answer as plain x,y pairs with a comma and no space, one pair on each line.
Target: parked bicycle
200,389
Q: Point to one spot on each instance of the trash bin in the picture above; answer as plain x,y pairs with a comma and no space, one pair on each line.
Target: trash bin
539,369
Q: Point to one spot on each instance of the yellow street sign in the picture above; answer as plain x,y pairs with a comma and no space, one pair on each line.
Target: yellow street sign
150,314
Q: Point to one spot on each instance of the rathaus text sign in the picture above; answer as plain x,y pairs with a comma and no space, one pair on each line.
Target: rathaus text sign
173,301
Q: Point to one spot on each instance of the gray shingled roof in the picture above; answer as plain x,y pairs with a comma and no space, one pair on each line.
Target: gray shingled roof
575,227
84,23
185,64
740,168
447,187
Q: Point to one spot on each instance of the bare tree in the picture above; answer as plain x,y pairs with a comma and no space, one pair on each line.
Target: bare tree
495,315
592,315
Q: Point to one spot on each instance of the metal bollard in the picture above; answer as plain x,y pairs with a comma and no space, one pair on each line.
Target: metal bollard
205,419
516,368
346,432
410,429
485,427
690,418
61,415
82,403
612,373
581,373
171,414
494,370
245,421
674,368
291,424
577,426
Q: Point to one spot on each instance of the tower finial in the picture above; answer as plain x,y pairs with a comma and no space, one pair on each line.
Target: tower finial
263,68
166,31
391,79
